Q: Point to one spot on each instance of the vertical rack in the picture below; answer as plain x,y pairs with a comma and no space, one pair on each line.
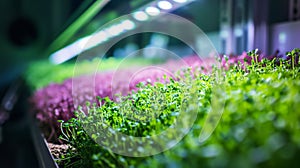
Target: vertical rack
244,25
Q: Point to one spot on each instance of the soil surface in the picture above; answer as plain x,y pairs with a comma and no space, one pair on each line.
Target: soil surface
58,150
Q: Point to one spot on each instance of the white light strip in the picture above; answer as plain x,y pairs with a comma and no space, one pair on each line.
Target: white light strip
95,39
91,41
152,11
166,5
68,52
180,1
115,30
128,24
140,16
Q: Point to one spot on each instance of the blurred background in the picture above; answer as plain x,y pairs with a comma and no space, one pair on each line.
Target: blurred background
29,28
33,30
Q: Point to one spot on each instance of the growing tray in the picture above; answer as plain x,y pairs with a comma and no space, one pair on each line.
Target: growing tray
44,156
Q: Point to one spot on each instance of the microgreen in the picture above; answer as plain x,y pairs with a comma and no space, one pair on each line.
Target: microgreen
293,55
259,126
145,112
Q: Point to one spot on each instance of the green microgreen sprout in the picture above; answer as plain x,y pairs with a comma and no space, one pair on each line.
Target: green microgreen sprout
260,118
293,54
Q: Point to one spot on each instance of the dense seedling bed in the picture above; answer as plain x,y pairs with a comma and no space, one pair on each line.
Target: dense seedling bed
56,101
259,127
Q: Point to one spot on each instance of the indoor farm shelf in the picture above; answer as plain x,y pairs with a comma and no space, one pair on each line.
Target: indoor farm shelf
259,127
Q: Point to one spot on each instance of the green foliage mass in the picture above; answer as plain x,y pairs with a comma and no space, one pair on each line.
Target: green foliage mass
259,127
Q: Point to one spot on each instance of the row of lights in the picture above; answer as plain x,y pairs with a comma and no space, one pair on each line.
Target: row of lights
112,31
127,25
154,11
90,41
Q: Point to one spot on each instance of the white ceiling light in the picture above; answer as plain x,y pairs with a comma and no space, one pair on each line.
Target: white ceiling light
153,11
180,1
128,24
164,5
115,30
95,39
100,36
68,52
140,16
